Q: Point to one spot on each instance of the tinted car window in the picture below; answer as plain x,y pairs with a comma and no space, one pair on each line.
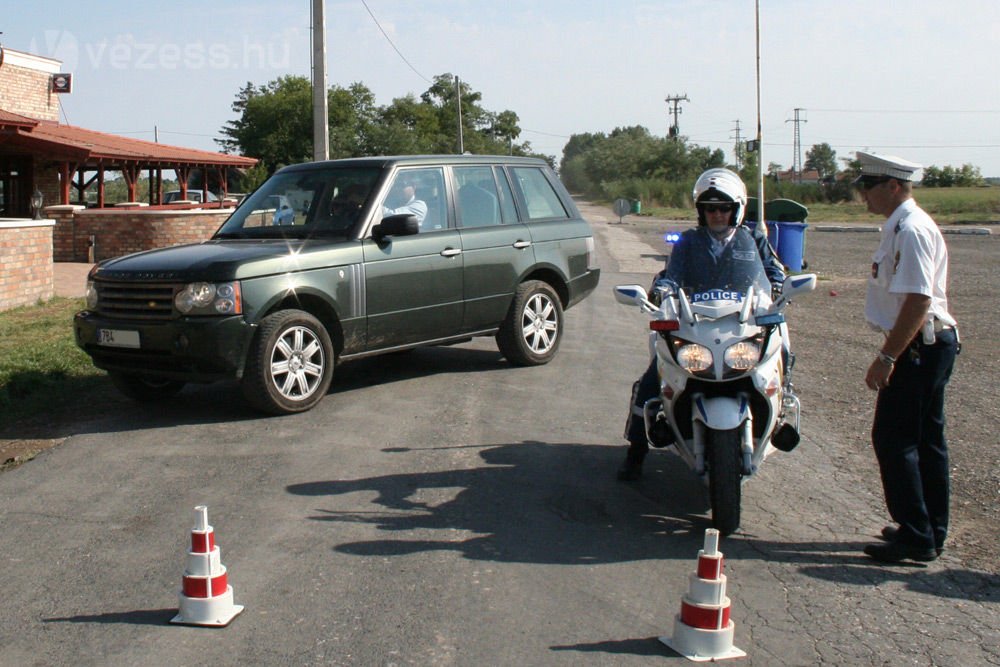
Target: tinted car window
419,192
478,203
300,203
507,208
539,197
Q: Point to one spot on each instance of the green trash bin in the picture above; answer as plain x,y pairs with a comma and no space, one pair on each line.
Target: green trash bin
637,206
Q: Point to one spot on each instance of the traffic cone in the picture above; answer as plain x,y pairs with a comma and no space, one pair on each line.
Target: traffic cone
703,630
206,596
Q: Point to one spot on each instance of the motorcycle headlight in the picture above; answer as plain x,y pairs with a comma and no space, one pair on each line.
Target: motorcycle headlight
694,358
742,356
209,299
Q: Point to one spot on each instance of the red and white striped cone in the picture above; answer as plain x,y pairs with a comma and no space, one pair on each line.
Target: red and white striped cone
703,630
206,596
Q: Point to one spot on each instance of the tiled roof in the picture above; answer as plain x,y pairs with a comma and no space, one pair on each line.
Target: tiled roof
92,145
8,118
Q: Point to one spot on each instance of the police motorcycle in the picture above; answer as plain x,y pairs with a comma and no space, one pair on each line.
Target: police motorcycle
725,402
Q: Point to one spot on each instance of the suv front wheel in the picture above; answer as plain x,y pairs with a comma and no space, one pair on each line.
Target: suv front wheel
290,363
530,334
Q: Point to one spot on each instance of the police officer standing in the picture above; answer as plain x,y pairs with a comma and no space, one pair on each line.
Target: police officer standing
907,302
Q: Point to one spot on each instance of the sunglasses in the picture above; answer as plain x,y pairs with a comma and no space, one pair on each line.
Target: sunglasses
717,208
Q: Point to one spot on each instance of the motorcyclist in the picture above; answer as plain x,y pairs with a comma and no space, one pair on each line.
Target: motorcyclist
720,237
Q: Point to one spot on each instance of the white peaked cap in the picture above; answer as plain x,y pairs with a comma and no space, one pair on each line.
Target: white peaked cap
887,165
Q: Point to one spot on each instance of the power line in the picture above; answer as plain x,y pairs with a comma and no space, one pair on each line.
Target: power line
906,110
398,52
547,134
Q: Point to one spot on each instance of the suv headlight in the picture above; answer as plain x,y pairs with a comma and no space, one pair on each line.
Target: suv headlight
209,299
91,295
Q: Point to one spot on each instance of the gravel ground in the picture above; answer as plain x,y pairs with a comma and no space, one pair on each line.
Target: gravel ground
834,347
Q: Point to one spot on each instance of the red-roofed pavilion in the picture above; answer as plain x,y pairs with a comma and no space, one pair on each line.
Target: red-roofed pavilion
39,153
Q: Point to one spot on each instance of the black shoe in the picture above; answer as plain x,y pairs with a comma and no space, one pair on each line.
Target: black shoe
630,471
893,552
891,534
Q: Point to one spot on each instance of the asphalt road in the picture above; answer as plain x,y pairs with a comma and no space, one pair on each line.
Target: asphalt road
443,508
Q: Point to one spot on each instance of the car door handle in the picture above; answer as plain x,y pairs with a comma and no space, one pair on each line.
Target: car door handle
451,252
522,244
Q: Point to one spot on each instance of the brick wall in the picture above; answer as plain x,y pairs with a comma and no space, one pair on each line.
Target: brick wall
26,258
24,85
119,232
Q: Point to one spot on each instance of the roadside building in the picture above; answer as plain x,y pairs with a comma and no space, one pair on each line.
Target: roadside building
52,184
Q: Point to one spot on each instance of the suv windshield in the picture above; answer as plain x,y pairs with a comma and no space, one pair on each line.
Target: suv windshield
304,203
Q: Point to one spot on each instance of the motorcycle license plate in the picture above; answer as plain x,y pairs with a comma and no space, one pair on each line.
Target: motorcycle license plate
118,338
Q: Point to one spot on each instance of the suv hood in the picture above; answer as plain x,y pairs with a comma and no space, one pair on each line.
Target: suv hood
210,261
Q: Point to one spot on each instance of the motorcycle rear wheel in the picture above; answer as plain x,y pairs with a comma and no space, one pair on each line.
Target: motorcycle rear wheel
723,454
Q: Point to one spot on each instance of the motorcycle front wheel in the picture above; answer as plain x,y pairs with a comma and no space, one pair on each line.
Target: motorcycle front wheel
723,454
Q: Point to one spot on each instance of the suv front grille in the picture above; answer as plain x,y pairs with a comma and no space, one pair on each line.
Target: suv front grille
136,301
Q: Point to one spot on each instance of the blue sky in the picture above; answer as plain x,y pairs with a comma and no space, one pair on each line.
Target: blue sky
916,79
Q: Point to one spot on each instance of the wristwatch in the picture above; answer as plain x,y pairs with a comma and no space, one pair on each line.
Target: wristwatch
886,359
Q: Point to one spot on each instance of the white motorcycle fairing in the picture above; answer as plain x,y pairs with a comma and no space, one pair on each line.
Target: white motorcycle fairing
720,356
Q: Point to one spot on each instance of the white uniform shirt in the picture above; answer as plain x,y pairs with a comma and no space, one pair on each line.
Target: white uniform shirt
911,258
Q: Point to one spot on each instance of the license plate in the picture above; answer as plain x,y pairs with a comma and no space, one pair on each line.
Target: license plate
117,338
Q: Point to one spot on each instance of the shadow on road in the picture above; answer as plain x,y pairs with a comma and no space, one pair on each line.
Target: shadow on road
536,502
417,363
643,646
136,617
96,406
532,502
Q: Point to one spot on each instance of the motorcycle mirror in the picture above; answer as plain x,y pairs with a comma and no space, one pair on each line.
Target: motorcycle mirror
799,284
630,295
769,319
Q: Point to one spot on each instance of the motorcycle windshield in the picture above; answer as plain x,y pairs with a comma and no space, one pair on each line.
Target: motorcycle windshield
729,279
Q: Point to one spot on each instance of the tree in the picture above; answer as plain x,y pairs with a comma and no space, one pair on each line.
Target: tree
946,177
275,122
823,159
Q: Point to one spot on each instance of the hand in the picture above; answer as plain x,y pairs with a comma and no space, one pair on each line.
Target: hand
878,375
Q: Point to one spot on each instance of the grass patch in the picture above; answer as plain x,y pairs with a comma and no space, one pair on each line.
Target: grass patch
945,205
40,365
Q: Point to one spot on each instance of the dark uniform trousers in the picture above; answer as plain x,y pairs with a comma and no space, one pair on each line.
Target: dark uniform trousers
909,442
647,387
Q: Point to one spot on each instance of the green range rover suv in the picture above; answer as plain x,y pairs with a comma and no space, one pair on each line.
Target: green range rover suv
331,261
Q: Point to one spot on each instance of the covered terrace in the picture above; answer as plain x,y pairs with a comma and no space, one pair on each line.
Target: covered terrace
82,158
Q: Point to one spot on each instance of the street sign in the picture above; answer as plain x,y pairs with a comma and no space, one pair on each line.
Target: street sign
622,207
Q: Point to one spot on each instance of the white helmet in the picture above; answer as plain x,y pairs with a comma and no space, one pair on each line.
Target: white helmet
723,186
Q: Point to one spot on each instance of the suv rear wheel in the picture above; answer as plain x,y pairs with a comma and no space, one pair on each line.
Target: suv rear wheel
290,363
530,334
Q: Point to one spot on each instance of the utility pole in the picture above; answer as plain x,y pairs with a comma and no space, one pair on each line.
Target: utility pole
321,113
458,96
738,150
675,100
797,158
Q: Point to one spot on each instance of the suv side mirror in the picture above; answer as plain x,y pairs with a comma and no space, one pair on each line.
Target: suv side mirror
401,224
